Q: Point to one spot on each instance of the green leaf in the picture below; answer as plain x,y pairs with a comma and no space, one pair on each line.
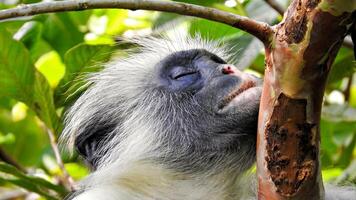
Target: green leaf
328,147
7,139
32,183
29,33
43,103
12,26
16,70
61,31
211,30
21,81
338,135
166,18
343,66
79,61
346,157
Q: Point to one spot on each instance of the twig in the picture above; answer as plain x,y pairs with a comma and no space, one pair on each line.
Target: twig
66,179
259,29
347,90
9,160
276,6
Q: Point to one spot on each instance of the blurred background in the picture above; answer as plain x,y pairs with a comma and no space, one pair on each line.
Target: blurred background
44,58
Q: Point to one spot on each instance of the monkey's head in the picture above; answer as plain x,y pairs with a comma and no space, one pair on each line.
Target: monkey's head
177,103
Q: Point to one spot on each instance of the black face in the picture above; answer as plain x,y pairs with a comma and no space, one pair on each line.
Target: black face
212,108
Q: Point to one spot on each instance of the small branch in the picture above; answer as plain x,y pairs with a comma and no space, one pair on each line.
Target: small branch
9,160
259,29
347,90
276,6
66,179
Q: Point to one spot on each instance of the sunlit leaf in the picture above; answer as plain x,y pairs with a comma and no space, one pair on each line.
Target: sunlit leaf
76,170
51,66
331,174
352,99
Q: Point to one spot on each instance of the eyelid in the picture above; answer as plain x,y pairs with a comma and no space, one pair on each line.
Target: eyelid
181,71
183,74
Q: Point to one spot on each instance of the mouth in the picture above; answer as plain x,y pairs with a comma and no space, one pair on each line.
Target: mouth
236,95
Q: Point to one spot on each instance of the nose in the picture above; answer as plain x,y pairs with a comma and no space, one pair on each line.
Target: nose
229,69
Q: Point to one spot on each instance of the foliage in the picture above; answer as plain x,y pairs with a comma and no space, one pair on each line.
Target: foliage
44,61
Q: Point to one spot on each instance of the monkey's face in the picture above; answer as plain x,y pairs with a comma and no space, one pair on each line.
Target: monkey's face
174,103
211,109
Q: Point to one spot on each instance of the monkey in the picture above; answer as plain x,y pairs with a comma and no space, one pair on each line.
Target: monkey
174,121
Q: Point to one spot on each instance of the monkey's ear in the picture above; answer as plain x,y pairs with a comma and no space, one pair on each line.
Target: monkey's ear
90,141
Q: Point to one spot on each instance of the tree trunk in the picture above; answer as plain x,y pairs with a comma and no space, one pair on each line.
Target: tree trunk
298,61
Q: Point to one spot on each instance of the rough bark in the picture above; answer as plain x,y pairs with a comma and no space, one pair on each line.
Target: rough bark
297,64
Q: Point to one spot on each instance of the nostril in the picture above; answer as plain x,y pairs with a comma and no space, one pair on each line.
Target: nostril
227,70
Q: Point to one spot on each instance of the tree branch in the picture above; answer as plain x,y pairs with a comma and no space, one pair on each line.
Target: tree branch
259,29
66,178
277,7
297,67
347,90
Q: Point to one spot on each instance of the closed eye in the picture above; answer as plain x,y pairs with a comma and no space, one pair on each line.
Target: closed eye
181,75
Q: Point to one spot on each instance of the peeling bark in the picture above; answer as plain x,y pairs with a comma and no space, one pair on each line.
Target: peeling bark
297,64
